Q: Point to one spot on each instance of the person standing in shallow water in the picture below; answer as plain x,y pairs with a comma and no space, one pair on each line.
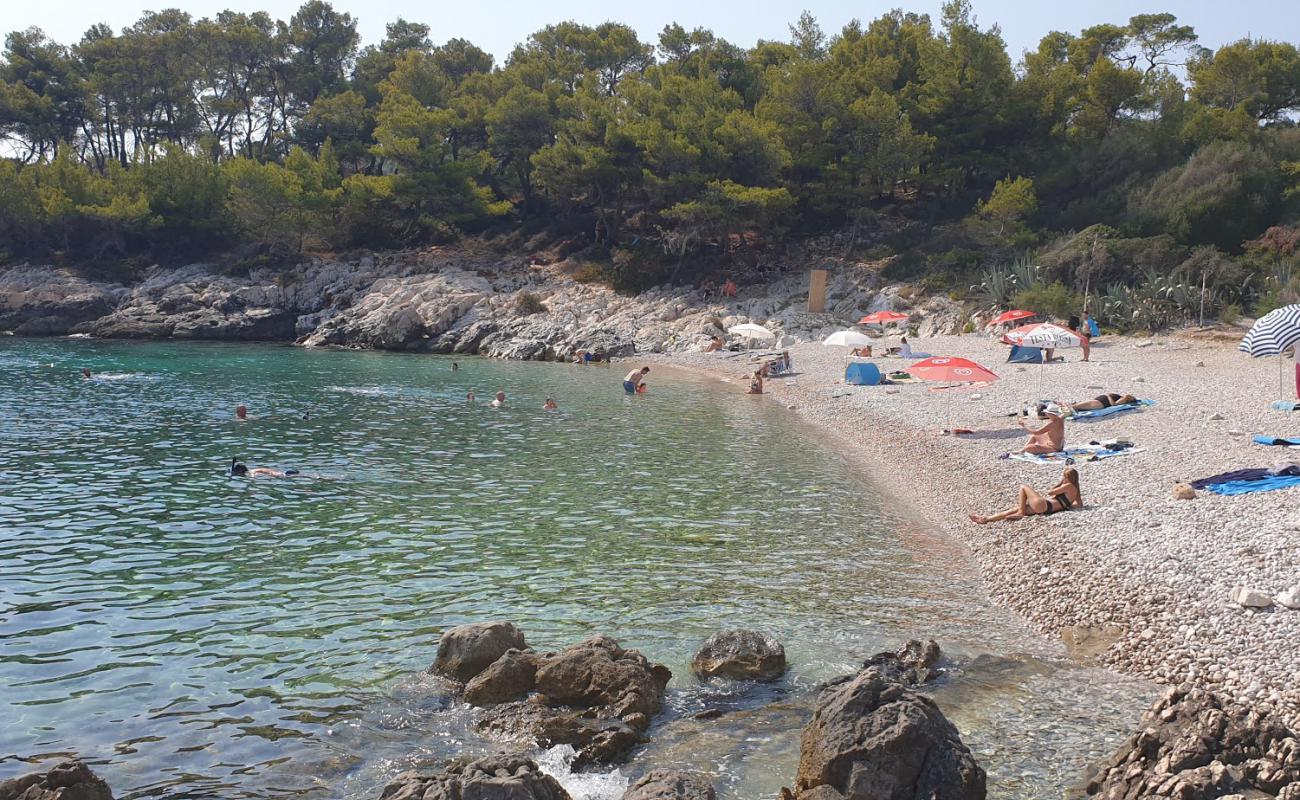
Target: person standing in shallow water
499,401
632,381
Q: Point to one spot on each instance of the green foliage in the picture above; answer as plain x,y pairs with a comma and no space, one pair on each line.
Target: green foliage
1055,300
178,137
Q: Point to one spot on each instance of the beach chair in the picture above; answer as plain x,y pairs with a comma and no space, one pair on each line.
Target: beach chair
862,374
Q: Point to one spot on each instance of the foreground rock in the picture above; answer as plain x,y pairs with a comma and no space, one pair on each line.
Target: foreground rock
71,780
912,664
1191,746
872,738
466,650
506,777
664,784
740,655
595,696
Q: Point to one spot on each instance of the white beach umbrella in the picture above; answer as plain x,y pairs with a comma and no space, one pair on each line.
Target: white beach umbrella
751,331
1043,335
848,338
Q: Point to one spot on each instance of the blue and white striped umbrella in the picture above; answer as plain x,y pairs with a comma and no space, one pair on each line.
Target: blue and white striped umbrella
1273,333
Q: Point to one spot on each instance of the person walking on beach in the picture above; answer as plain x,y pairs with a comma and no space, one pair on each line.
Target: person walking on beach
499,401
1048,439
632,381
1064,496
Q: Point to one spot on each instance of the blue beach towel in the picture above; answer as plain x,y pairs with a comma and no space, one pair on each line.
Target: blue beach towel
1293,441
1074,454
1285,405
1269,484
1106,412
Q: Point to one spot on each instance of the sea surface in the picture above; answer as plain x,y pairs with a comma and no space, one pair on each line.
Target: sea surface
197,635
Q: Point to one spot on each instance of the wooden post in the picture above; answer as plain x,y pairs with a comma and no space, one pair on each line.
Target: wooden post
816,291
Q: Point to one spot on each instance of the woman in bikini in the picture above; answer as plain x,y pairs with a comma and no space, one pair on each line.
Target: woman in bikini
1103,401
1061,497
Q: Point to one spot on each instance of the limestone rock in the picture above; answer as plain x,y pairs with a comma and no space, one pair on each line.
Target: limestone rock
466,650
502,777
740,655
1192,746
665,784
595,696
911,664
510,677
1183,491
1250,598
1290,598
71,780
872,738
598,673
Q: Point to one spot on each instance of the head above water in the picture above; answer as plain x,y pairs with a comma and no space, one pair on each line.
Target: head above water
241,412
237,468
501,396
85,372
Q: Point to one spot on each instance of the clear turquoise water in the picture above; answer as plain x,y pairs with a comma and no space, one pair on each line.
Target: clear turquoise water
195,634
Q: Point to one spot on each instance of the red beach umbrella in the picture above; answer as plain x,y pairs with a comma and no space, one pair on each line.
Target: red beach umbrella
953,370
1010,316
882,318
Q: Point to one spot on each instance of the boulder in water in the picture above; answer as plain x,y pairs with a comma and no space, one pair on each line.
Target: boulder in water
740,655
502,777
466,650
71,780
510,677
1192,746
597,673
872,738
671,784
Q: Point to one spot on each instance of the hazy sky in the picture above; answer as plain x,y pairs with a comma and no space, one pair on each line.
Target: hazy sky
497,26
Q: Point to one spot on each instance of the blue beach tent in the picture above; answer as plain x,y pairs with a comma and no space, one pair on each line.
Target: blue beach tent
1025,355
862,374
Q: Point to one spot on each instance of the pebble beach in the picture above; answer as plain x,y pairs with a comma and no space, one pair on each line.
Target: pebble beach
1135,580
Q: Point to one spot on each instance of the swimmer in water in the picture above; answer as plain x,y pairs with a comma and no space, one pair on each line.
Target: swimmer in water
85,373
239,470
469,397
241,412
455,367
499,400
550,405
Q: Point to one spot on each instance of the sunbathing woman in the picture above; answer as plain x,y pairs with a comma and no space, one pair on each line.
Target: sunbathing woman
1103,401
1048,439
1061,497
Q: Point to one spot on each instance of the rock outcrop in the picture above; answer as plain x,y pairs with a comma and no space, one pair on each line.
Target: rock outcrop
71,780
872,738
1191,746
595,696
503,777
466,650
444,300
912,664
740,655
667,784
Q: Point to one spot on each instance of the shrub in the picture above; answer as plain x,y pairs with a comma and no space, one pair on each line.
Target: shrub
1056,300
1230,314
528,303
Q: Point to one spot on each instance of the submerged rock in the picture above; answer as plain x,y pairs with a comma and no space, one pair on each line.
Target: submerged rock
466,650
71,780
667,784
912,664
1192,746
503,777
872,738
740,655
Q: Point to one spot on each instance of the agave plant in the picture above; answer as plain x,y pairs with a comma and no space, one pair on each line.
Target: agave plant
999,283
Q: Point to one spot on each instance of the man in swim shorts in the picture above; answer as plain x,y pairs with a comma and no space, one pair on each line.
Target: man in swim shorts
633,379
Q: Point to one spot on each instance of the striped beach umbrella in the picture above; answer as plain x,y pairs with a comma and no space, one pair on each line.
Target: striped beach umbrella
1273,333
